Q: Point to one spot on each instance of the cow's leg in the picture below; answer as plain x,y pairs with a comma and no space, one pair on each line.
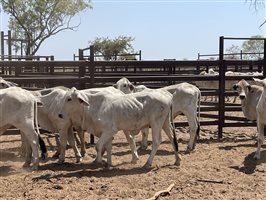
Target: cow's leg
72,143
63,134
193,128
27,151
156,140
133,148
23,145
58,146
33,139
260,138
169,129
101,146
144,141
108,147
82,143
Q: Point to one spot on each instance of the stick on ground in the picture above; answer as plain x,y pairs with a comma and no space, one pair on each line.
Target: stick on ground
162,192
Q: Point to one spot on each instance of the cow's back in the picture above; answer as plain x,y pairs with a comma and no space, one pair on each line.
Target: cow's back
15,104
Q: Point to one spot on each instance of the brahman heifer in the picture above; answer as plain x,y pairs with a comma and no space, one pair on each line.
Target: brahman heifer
104,114
249,96
186,100
261,115
49,120
18,108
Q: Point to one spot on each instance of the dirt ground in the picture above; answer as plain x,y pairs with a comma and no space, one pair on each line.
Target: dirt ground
222,169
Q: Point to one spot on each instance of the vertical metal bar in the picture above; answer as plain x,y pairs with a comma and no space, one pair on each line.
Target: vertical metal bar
92,80
81,68
9,45
2,45
221,87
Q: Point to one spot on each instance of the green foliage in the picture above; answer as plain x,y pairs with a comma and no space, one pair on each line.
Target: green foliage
37,20
111,48
234,51
251,49
253,46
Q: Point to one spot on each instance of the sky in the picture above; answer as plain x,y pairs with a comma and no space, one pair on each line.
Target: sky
170,29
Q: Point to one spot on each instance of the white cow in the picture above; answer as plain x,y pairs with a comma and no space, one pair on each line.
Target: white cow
249,96
48,117
261,115
105,114
18,108
186,100
49,120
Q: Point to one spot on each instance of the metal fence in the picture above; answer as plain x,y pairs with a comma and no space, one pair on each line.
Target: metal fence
90,73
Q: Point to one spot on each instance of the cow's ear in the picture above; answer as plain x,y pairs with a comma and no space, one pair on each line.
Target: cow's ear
82,99
235,86
131,87
249,87
258,81
115,85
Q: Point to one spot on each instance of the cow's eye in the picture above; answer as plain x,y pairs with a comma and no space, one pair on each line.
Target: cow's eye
69,99
125,85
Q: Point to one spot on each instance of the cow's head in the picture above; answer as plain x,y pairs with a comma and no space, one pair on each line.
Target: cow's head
124,85
242,87
73,102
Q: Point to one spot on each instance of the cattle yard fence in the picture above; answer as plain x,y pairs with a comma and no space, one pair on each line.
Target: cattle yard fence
89,73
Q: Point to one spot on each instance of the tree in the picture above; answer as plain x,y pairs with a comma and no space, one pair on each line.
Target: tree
256,5
251,49
110,49
37,20
234,51
253,46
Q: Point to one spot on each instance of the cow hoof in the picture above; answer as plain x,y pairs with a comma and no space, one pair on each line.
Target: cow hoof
56,155
44,156
147,166
134,160
60,162
83,153
178,160
143,147
78,159
35,167
256,157
26,165
100,163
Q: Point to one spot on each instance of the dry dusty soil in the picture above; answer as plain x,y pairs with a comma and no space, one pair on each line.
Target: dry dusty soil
222,169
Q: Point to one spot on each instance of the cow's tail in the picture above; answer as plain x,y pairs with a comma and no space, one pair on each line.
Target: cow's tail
173,128
198,110
41,142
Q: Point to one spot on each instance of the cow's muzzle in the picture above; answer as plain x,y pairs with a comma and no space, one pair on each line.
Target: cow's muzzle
242,97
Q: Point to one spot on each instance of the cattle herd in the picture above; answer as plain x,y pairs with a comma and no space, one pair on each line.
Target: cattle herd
105,111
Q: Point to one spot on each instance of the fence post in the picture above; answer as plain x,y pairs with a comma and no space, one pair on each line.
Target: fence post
52,66
9,44
2,45
92,80
82,69
221,87
92,66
